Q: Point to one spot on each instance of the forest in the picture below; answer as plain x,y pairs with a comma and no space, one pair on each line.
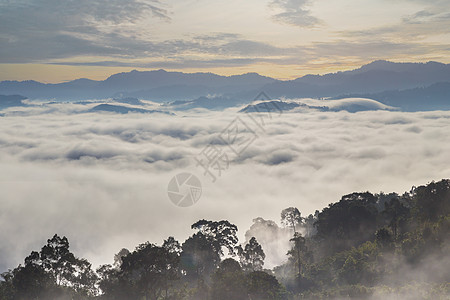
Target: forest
365,246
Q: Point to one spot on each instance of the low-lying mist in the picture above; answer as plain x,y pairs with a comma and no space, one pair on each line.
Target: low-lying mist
101,178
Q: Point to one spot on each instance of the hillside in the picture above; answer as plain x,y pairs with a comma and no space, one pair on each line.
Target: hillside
366,245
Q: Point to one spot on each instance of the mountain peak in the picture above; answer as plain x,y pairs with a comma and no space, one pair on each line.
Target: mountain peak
378,64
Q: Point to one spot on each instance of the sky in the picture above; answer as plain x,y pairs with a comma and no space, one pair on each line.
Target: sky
56,41
102,179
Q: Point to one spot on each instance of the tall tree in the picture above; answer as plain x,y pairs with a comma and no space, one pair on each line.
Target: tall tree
150,269
309,224
396,213
199,258
221,234
111,283
291,218
56,258
252,256
432,200
299,252
53,272
347,223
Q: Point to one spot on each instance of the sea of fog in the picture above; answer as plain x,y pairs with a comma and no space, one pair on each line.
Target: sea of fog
101,179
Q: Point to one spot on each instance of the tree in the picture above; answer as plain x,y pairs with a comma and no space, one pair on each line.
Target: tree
111,283
384,238
119,256
350,271
309,224
31,281
263,286
172,245
83,279
173,273
219,233
53,272
56,258
6,286
68,271
299,252
350,222
199,257
201,253
252,256
432,200
150,269
396,214
228,282
291,218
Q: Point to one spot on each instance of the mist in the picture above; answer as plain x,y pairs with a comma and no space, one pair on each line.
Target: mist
101,179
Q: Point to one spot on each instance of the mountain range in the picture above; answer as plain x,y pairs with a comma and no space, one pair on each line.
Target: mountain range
380,80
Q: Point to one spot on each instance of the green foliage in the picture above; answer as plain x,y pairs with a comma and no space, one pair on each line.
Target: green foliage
231,282
347,223
416,291
262,286
396,215
228,282
382,246
365,240
432,201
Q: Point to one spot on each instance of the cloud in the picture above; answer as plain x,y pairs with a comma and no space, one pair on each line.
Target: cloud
432,21
160,34
293,12
364,50
119,34
50,29
205,51
78,32
101,179
419,17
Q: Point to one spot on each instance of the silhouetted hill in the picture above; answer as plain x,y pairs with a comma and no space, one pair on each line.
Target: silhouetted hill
11,100
72,90
433,97
348,104
212,103
122,109
129,100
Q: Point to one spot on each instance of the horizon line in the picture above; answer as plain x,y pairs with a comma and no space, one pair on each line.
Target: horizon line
143,69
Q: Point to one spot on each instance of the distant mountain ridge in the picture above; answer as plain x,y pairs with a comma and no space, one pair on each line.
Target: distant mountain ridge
377,76
433,97
151,85
163,86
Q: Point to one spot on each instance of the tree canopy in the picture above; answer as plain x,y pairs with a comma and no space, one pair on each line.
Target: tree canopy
365,245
